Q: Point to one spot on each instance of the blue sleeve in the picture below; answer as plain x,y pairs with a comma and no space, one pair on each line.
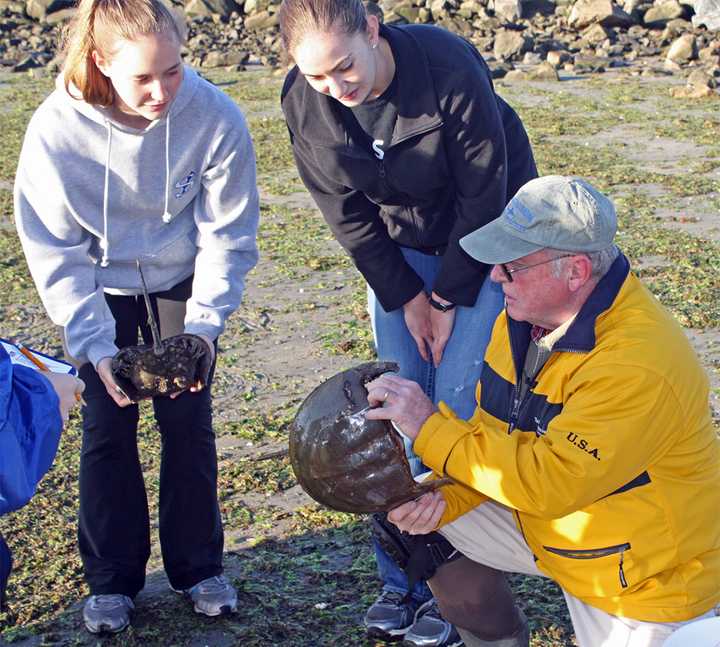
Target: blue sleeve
30,428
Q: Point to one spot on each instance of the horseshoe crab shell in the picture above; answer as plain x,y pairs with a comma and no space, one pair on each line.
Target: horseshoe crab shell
164,367
345,461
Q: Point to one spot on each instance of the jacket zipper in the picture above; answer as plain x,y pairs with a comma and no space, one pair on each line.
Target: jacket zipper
593,553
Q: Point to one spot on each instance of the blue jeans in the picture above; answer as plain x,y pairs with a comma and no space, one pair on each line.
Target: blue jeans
454,381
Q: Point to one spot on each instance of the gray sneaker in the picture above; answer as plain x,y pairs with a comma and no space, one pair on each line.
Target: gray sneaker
430,629
107,613
213,596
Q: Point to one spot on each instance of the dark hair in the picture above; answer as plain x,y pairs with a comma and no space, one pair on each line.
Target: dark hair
96,26
299,17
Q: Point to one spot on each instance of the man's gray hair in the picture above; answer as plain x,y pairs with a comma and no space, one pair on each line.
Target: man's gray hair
600,260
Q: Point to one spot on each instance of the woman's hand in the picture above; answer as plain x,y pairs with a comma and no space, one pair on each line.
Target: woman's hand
417,318
421,516
104,370
68,389
441,325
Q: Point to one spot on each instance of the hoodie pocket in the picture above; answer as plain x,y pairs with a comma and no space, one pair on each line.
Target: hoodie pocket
597,553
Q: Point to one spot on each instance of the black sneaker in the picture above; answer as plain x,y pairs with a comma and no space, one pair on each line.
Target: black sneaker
430,629
389,617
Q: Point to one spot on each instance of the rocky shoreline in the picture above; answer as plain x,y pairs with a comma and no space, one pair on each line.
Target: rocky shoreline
520,39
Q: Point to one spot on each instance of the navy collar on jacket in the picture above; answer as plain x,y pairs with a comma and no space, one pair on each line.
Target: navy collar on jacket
580,336
317,117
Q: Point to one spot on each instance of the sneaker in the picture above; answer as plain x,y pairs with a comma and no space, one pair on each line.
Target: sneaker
389,617
430,629
213,596
108,613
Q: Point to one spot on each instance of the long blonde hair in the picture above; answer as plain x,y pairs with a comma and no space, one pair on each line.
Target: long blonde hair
97,25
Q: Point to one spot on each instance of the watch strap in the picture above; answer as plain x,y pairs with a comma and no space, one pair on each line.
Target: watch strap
440,306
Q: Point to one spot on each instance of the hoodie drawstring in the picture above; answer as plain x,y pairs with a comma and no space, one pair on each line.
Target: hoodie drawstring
105,241
167,216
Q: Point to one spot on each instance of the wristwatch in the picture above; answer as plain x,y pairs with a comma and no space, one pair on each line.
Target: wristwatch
440,306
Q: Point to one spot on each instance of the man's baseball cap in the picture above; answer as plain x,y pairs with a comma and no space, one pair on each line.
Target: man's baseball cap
553,211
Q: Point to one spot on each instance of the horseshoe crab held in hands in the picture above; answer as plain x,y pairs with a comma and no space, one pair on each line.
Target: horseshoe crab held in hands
165,367
345,461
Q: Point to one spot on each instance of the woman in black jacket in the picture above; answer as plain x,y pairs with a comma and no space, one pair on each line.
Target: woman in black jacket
405,147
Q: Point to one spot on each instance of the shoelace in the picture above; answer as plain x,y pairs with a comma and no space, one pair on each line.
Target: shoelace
391,597
432,610
215,584
108,602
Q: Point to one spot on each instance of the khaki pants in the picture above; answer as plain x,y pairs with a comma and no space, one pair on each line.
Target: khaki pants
488,534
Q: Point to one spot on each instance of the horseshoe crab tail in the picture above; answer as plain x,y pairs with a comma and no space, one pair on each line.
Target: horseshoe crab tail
157,346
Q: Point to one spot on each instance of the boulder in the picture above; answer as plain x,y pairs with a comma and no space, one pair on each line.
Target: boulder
557,57
661,14
543,72
683,50
510,43
605,12
510,10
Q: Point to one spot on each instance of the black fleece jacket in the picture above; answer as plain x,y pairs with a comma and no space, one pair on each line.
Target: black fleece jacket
457,155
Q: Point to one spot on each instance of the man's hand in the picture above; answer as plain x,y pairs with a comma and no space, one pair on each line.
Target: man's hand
417,319
441,324
420,516
68,388
404,402
104,370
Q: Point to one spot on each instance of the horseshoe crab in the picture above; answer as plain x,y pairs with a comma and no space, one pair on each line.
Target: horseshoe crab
164,367
345,461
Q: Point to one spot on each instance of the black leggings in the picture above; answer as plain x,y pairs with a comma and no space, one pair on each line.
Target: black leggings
114,531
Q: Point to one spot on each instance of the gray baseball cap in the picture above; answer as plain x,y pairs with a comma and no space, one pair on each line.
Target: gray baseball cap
553,211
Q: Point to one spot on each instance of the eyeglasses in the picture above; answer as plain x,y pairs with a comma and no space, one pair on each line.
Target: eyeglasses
509,272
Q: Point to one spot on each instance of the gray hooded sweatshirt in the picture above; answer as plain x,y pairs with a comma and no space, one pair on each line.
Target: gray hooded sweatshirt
92,196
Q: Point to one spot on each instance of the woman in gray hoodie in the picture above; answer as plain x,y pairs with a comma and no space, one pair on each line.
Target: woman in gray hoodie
134,156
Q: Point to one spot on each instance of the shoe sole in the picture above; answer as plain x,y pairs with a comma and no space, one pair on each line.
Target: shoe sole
105,630
458,643
392,636
223,611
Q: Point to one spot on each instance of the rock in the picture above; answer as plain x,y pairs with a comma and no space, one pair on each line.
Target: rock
223,8
57,17
26,64
532,58
500,70
659,15
557,57
605,12
692,92
261,20
38,9
407,11
587,65
543,72
595,34
509,9
509,44
515,75
675,28
683,50
700,78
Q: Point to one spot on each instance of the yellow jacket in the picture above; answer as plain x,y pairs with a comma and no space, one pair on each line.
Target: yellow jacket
611,463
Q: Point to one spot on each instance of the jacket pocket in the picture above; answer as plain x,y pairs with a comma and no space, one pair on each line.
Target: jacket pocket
595,553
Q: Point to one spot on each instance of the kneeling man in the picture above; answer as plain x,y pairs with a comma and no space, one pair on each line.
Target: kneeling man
591,456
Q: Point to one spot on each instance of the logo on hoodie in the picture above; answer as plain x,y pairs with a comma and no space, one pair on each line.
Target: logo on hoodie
184,185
